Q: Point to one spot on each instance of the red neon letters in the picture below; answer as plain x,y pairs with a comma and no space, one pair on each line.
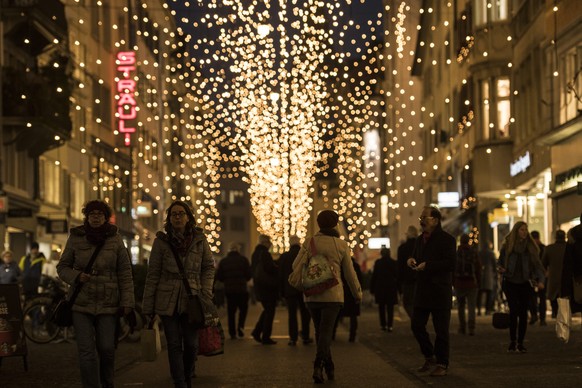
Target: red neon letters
126,104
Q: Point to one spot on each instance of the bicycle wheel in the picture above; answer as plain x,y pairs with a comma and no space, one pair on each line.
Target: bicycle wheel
37,327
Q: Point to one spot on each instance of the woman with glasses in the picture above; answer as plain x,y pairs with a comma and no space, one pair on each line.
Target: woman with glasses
107,289
165,293
519,262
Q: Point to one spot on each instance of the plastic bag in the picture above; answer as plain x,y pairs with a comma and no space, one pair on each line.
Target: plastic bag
211,340
563,320
151,344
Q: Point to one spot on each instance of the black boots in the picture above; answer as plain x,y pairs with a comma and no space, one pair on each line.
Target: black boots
329,369
318,371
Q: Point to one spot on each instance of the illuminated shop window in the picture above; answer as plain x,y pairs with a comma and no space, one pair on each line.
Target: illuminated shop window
495,109
488,11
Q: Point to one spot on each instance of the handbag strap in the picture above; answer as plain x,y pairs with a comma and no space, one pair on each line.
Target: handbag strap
181,269
86,270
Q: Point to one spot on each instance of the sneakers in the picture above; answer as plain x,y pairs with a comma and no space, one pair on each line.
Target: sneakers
439,371
512,347
521,348
429,363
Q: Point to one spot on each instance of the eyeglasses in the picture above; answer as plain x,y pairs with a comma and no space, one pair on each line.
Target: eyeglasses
96,214
422,218
177,214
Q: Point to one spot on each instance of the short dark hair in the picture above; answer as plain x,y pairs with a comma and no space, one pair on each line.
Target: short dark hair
535,234
100,205
385,252
34,245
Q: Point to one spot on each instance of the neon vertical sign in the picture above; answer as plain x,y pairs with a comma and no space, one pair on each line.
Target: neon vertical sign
126,105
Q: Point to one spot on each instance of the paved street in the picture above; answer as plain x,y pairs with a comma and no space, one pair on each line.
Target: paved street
376,359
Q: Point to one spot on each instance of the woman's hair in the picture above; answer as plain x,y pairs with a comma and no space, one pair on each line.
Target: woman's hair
97,204
512,237
191,220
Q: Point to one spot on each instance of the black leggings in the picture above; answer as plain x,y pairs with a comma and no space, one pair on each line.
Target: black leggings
518,299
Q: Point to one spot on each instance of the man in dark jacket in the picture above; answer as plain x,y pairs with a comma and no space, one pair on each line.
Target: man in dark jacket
406,275
31,269
383,286
294,297
434,260
235,271
572,266
266,284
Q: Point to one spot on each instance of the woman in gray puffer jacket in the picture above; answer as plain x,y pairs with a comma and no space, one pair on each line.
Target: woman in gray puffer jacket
106,290
164,292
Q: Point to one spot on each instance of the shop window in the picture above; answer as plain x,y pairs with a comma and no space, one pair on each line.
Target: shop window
77,196
570,84
495,121
236,197
51,181
488,11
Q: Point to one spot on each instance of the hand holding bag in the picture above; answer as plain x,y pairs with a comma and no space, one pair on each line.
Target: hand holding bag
317,275
211,340
151,344
62,313
564,319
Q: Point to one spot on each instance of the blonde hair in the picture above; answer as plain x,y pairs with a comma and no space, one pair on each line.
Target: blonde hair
6,253
511,240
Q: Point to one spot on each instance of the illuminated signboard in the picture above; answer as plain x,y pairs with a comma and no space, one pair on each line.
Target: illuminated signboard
520,165
126,85
448,199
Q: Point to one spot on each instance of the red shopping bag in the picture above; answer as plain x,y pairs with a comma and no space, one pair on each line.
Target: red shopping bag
211,340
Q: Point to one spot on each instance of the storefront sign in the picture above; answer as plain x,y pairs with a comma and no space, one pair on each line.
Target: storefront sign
520,165
126,85
56,226
378,242
448,199
20,213
12,340
3,204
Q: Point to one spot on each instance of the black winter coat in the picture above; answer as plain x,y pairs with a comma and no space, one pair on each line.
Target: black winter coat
434,286
265,275
285,268
406,275
234,271
383,284
572,266
350,307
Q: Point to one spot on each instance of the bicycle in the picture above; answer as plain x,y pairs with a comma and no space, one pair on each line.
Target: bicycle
36,323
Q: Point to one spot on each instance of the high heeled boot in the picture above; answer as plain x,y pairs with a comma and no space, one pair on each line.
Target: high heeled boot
329,369
318,371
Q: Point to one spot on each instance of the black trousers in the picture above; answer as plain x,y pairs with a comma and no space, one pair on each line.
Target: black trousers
294,304
264,326
519,297
236,302
441,320
386,313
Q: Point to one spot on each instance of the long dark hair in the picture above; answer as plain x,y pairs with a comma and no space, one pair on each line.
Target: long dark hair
191,220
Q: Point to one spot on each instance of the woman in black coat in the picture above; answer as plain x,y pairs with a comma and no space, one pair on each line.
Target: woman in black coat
384,288
351,308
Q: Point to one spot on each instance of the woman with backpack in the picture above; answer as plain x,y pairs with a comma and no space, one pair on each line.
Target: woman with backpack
466,283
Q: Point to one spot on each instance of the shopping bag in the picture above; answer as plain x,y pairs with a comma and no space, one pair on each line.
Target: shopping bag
317,275
564,319
211,340
500,320
151,344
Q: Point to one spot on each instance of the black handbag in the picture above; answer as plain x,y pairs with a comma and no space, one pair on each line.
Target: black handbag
500,320
62,312
194,307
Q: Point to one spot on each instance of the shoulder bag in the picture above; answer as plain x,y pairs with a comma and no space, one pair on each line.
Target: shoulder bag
62,313
201,310
317,275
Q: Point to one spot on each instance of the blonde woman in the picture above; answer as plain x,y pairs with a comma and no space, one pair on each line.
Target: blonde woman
519,262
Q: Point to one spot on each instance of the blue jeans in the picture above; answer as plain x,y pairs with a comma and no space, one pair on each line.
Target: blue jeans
95,336
182,342
324,315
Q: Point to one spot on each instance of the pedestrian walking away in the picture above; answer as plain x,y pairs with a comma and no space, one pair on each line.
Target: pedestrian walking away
294,297
522,270
553,262
351,307
234,270
325,306
165,293
434,261
467,271
383,286
106,291
266,284
406,275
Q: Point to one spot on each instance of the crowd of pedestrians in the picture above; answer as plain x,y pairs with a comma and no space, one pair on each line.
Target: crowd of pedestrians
431,273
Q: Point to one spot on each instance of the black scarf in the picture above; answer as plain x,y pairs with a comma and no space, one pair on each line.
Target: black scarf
181,241
333,232
97,235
